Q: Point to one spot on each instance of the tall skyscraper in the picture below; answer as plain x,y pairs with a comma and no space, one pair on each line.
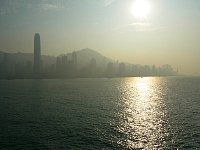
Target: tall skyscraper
37,54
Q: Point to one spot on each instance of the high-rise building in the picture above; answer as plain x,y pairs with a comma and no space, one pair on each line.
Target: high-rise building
37,54
110,69
74,58
74,62
122,69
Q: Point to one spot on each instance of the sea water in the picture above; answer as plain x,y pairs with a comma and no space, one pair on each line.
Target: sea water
105,113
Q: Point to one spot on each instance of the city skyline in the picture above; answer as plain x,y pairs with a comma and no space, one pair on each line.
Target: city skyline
99,74
95,65
168,35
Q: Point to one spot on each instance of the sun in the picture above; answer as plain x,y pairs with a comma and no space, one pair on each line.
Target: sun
141,9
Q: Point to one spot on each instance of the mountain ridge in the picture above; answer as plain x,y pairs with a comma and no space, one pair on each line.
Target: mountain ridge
84,57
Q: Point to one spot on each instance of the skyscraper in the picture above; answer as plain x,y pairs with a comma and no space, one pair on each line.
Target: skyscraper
37,54
74,62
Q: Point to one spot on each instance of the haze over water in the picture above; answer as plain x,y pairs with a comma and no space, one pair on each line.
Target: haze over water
117,113
154,32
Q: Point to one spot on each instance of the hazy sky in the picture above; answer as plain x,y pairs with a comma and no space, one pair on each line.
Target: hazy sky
170,34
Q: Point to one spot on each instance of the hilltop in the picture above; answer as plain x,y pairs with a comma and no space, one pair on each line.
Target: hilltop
85,63
84,57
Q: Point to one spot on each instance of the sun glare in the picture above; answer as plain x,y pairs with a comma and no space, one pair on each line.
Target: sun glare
141,9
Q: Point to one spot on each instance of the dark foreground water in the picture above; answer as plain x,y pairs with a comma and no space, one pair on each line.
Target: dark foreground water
118,113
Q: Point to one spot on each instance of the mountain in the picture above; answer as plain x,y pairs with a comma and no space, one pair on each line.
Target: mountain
90,63
84,57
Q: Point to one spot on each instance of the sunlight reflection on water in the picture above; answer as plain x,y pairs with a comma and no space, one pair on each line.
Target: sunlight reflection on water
142,119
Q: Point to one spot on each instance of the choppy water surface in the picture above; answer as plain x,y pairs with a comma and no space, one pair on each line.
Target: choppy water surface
118,113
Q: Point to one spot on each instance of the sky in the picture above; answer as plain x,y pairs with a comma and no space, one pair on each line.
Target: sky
170,33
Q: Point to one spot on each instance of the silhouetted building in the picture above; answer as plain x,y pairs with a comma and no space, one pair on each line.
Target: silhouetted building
64,63
154,73
147,70
21,65
110,70
37,54
8,66
74,63
58,66
122,69
92,67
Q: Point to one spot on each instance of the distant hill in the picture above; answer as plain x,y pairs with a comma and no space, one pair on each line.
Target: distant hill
90,63
84,57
